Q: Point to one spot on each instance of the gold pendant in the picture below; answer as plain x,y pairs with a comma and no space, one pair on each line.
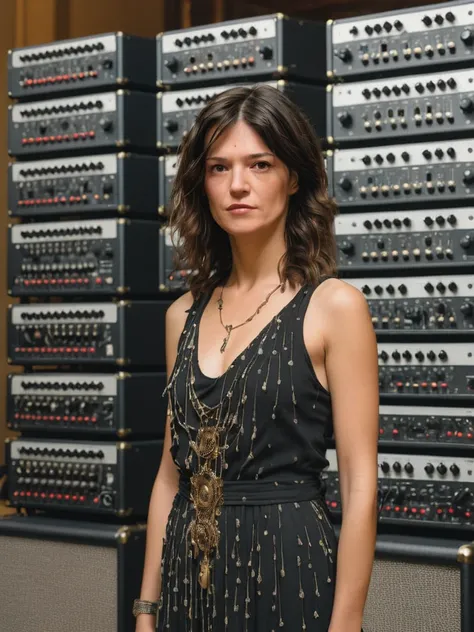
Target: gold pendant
226,339
204,573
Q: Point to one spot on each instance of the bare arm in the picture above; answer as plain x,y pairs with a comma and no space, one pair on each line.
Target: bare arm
166,483
352,371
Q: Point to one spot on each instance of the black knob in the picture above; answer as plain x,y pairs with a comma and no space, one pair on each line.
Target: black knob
405,156
441,287
409,468
402,289
420,356
397,467
466,242
467,37
366,290
345,119
439,153
451,152
385,467
345,184
451,219
171,125
347,247
367,160
172,64
442,469
344,55
383,355
368,224
450,16
466,105
378,159
454,469
427,154
431,86
391,157
429,468
266,52
468,177
407,355
442,355
354,31
398,25
439,19
452,286
106,124
427,21
467,309
419,87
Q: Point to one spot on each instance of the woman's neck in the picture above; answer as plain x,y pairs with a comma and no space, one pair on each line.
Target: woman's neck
255,263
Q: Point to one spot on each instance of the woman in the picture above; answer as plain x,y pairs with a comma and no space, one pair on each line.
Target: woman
265,353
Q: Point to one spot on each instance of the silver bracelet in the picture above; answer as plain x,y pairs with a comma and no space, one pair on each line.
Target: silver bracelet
141,606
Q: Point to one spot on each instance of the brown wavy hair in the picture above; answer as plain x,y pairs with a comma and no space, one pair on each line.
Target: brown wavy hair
309,228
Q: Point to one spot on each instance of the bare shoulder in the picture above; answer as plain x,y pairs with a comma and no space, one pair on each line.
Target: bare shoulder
340,309
176,315
336,296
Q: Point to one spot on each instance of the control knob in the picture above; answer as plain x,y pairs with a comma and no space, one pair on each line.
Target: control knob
467,309
347,247
466,105
344,55
171,125
467,37
429,468
345,184
345,118
172,64
466,242
266,52
468,177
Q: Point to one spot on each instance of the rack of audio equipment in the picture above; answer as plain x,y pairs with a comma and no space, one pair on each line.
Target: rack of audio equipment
83,260
87,181
405,238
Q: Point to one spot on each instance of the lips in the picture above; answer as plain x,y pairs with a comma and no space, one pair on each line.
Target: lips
234,207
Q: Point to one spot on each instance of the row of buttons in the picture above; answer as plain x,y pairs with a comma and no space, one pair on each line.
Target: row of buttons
221,65
408,355
395,254
407,188
66,78
56,350
61,52
77,168
59,138
72,418
63,109
449,434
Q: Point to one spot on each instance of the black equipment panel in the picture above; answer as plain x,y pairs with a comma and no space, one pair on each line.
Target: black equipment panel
403,175
431,369
177,110
166,174
109,120
416,490
81,64
449,428
397,42
89,257
174,275
95,477
127,333
427,106
115,404
426,240
428,307
86,185
269,46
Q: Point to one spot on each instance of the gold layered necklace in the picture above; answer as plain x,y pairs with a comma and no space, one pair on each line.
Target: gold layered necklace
230,328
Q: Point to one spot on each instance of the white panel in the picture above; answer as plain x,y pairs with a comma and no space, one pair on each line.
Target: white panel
353,223
109,450
108,100
415,286
412,23
20,169
348,94
266,28
20,231
421,411
351,159
110,313
108,41
108,382
458,354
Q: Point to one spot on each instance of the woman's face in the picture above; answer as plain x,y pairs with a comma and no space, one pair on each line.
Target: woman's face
247,186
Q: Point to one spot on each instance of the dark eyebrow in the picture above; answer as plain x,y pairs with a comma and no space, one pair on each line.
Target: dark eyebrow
252,156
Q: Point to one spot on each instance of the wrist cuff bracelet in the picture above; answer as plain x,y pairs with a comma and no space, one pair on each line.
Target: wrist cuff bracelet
141,606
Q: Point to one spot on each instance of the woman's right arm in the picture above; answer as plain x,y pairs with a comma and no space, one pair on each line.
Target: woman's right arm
165,486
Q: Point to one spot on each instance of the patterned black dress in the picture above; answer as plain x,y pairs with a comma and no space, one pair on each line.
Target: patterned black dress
252,525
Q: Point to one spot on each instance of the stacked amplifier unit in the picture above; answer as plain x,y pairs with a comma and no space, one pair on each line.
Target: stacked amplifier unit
401,123
85,261
197,63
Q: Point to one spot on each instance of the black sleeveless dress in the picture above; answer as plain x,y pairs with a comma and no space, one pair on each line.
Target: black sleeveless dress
258,534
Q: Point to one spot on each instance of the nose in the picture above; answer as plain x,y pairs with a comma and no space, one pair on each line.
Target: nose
238,184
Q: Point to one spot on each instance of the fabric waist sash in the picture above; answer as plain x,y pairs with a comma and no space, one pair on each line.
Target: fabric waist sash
262,492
